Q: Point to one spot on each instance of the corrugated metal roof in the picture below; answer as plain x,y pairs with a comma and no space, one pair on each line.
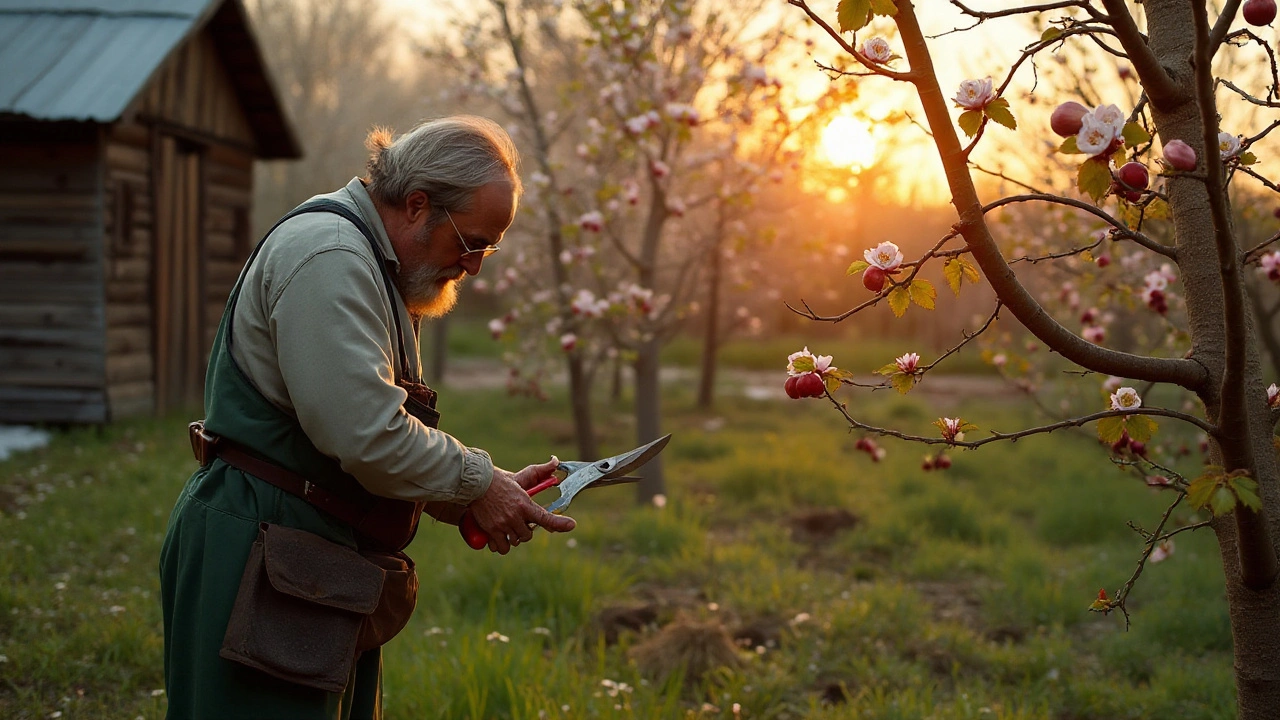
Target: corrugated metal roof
86,59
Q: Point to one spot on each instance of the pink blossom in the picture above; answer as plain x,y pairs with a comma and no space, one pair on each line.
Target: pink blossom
908,364
497,327
877,50
1112,383
1157,481
683,113
885,256
1162,551
1126,398
1273,395
631,191
568,341
821,363
1270,265
1000,360
1156,280
1094,136
676,206
951,428
592,221
1228,145
1095,334
975,94
659,169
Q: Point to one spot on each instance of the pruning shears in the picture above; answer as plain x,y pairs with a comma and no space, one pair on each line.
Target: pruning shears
572,476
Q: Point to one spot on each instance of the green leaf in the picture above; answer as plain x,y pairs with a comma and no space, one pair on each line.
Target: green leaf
923,294
1222,501
1157,209
1069,147
970,271
853,15
954,274
802,364
1110,428
899,300
1246,489
1140,427
888,370
1050,33
998,110
1135,134
903,382
832,382
1248,158
857,266
970,121
1094,178
1201,489
884,7
840,374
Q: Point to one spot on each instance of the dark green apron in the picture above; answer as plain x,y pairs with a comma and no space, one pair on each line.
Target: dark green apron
212,528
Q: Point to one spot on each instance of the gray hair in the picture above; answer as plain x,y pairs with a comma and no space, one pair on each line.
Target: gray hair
447,158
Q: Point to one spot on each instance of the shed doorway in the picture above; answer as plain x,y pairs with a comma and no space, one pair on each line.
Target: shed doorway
178,274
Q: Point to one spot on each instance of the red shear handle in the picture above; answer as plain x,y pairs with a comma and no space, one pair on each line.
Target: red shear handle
478,538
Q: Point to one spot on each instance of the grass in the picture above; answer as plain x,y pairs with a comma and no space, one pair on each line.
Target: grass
953,595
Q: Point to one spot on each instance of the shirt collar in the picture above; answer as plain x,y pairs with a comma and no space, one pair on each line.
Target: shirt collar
364,204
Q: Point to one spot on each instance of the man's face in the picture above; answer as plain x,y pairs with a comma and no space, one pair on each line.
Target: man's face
435,261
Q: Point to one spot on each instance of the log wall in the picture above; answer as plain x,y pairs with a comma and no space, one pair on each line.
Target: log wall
51,282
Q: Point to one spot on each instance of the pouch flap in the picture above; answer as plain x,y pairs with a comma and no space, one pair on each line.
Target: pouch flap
306,566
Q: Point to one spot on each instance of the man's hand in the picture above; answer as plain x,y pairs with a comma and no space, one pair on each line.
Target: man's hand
506,511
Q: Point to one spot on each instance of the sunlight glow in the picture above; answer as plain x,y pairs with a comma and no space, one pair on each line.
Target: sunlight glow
847,142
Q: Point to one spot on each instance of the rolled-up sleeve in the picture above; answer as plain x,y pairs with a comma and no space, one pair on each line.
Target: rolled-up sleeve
331,332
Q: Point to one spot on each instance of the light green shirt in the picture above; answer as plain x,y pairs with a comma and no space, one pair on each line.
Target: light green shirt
314,333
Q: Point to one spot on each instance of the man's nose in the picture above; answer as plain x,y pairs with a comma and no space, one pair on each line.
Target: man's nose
471,263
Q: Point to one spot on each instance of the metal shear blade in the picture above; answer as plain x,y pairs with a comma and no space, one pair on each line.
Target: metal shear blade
608,471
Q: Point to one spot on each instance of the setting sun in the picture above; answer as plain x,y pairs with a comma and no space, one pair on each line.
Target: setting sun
847,142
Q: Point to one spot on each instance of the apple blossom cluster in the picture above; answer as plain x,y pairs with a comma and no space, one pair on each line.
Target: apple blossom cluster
869,446
952,428
806,373
586,304
1155,292
1099,131
885,260
1269,265
591,221
975,94
908,364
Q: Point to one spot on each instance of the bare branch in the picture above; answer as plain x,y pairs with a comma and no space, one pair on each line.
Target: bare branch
1252,253
1121,229
1255,100
1153,540
1223,24
1253,174
968,337
1014,436
1006,178
844,44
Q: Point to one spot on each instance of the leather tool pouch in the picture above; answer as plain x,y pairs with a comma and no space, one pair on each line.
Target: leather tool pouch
395,604
302,607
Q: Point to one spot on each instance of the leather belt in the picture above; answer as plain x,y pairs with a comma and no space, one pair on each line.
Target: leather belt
206,446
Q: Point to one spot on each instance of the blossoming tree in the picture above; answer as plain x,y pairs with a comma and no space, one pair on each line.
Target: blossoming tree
1164,161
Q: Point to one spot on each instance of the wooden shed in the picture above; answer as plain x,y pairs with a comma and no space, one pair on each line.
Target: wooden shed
128,131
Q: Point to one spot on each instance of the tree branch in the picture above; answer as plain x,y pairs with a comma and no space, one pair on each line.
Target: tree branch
866,62
1162,90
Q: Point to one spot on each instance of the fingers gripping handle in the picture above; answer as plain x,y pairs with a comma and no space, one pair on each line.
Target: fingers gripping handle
478,538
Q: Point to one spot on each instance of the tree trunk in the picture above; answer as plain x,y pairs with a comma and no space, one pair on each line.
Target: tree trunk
580,400
711,336
649,418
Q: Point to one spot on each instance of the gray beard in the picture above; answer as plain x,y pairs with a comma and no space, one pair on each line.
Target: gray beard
428,291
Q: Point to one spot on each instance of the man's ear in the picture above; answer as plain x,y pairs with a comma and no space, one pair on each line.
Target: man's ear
417,205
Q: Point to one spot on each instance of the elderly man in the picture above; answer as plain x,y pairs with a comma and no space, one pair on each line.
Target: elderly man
281,572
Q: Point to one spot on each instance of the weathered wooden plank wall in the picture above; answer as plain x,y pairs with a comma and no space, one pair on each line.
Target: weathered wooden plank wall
51,284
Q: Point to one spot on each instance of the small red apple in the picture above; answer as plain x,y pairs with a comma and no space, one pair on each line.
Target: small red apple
927,464
1066,118
942,462
1135,175
1259,12
873,279
790,387
1102,261
810,385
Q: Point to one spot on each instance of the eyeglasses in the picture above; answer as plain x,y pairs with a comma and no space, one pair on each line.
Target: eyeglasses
483,252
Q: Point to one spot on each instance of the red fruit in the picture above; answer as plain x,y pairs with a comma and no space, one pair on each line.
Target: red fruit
873,279
942,462
1180,155
790,387
1102,261
1066,118
1138,448
1135,175
1259,12
927,464
1276,212
1125,72
863,444
809,385
1120,444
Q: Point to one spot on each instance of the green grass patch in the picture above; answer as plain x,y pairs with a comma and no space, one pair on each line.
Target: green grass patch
957,594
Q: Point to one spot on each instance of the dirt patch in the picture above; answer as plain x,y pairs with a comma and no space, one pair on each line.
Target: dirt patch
819,526
616,619
694,646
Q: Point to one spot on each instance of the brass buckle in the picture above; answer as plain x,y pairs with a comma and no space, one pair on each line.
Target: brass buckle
203,443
